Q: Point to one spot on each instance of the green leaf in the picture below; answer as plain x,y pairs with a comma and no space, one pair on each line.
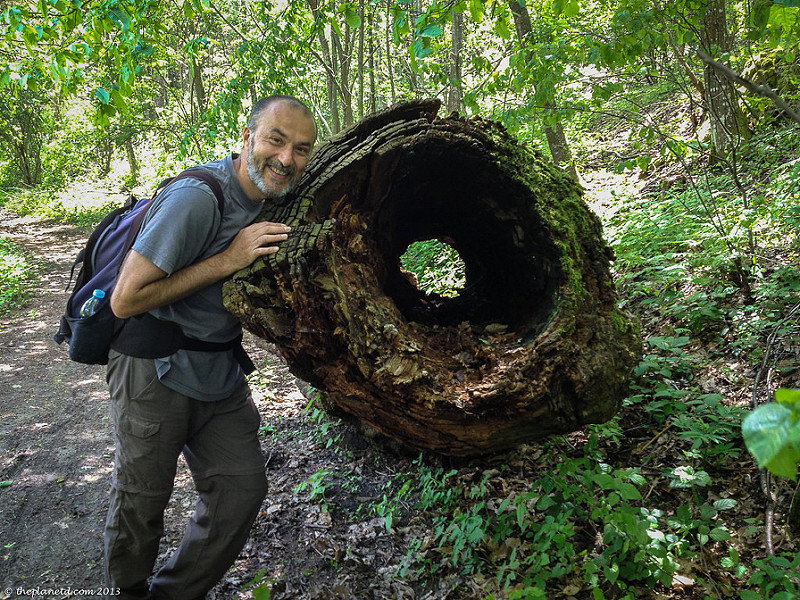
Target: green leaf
432,30
120,18
719,534
30,35
571,8
351,16
707,512
69,22
5,483
605,481
400,26
545,502
767,433
422,48
629,492
476,10
501,27
119,101
725,504
787,396
597,594
102,95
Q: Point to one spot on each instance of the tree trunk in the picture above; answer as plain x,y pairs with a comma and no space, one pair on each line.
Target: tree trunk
728,125
105,152
198,90
559,147
556,138
454,93
327,60
373,90
342,51
361,29
389,64
132,162
533,345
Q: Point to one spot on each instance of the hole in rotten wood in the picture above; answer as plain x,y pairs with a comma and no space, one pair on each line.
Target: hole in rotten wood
455,193
434,267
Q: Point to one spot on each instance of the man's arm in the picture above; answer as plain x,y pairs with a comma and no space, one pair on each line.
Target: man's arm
142,286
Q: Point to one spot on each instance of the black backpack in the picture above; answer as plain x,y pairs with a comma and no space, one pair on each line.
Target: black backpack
90,338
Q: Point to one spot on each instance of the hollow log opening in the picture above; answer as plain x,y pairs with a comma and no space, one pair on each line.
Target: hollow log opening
533,344
456,194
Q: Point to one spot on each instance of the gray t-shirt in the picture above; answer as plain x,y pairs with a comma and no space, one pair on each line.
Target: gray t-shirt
182,228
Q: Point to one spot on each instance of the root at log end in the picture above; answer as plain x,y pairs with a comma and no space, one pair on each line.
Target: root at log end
533,345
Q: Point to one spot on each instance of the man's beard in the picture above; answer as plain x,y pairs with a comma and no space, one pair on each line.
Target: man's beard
256,173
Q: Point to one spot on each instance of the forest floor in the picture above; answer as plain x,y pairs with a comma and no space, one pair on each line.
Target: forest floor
324,540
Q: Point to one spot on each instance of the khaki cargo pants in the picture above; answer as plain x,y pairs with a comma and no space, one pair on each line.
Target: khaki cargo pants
219,440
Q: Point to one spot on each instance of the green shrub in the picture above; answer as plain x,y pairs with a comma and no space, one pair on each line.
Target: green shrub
16,273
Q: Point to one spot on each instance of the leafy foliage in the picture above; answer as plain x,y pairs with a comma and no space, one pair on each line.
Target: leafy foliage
706,253
16,277
437,267
772,433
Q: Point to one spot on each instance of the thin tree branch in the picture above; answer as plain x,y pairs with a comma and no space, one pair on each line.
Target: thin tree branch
761,90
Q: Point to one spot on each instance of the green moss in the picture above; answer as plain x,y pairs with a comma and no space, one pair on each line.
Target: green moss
559,204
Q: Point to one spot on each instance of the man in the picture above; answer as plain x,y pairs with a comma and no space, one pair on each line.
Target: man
195,402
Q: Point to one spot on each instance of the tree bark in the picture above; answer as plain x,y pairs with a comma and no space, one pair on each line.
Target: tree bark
556,138
455,94
533,345
327,61
728,125
132,162
361,29
373,89
198,90
390,70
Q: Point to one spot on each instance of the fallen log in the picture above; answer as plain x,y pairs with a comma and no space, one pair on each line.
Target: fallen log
534,344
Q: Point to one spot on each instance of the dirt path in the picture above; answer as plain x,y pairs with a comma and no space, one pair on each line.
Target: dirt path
56,454
55,443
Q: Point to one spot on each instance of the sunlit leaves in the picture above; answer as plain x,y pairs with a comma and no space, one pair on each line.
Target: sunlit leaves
502,26
120,18
772,433
350,12
431,30
63,40
476,10
569,8
102,95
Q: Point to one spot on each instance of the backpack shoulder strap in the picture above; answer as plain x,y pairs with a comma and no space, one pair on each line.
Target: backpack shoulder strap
204,176
207,178
191,173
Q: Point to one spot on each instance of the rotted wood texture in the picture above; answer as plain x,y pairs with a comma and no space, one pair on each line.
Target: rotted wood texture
533,345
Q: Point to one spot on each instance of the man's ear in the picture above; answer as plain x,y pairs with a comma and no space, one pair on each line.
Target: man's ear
246,133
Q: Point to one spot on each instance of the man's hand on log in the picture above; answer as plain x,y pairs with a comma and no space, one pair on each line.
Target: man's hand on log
258,239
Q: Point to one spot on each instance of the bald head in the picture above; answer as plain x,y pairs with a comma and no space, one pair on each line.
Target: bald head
262,105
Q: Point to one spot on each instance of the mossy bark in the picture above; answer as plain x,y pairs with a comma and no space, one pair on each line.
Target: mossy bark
533,345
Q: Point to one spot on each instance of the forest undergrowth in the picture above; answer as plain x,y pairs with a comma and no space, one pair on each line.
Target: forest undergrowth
662,501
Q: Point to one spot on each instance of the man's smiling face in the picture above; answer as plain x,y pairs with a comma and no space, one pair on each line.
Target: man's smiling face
279,148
